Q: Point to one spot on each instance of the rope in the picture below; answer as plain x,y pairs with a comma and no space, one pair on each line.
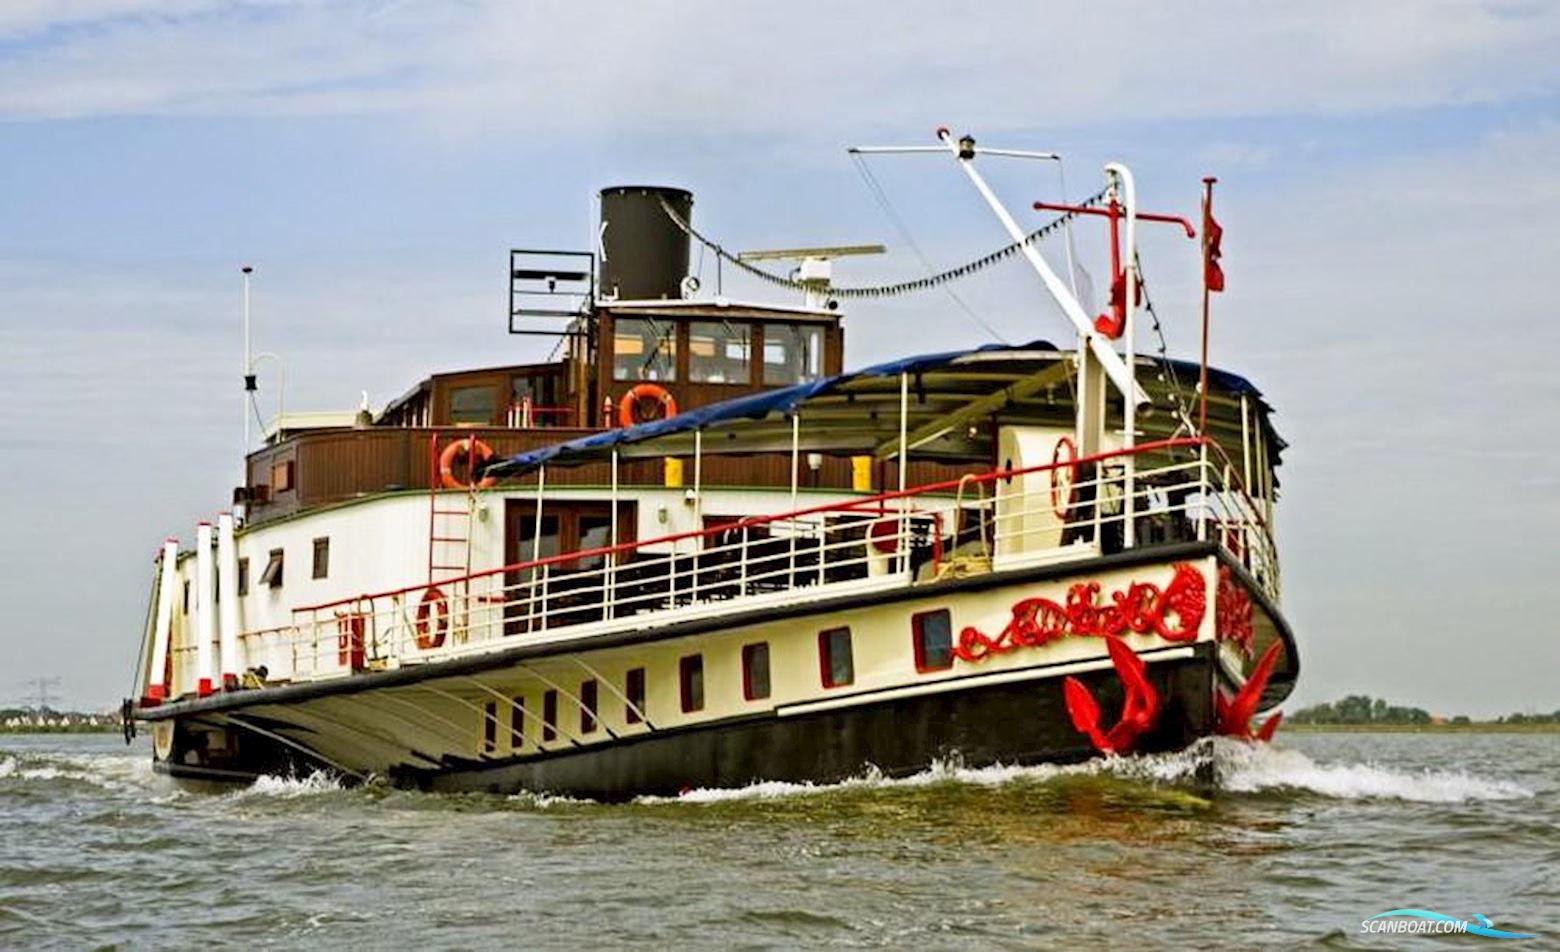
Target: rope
1167,372
888,290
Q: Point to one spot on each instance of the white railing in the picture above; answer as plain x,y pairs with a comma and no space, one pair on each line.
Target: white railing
1077,509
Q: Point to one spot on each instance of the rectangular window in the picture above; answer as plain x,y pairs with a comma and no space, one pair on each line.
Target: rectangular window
933,633
272,576
186,596
243,576
835,664
644,349
793,353
634,690
517,723
282,476
489,727
719,352
473,404
690,678
550,716
322,557
589,696
755,671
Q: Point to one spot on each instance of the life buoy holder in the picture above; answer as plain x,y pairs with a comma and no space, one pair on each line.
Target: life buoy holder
640,395
473,453
433,618
1062,490
885,534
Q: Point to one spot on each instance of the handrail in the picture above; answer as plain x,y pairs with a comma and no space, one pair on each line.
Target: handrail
852,505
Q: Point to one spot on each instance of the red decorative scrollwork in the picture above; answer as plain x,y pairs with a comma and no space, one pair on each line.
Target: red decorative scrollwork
1232,613
1174,614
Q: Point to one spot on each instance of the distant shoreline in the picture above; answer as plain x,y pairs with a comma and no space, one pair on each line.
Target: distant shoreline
67,729
1488,727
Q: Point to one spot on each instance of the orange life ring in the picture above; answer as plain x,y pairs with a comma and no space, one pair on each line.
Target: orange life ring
433,618
474,452
637,396
1062,497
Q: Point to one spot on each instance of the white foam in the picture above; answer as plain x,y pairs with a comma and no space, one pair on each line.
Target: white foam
1251,768
270,785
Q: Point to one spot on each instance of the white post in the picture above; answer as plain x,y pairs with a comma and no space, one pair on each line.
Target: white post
1109,359
156,682
205,619
228,617
248,372
796,462
612,559
904,425
1123,175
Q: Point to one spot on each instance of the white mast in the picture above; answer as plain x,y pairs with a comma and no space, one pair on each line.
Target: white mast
205,620
227,585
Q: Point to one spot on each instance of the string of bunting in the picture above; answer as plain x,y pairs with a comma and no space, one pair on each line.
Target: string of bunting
902,287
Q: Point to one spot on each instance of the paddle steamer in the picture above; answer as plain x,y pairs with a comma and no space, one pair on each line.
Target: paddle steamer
697,551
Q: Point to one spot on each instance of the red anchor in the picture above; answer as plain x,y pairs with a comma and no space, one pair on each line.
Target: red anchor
1234,716
1138,711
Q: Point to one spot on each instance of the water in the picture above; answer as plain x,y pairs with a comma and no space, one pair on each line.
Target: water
1300,842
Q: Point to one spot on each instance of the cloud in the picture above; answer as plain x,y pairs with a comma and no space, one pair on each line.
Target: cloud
711,68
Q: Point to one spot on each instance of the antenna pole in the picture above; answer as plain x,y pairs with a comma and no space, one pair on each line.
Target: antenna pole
1115,368
249,369
1202,383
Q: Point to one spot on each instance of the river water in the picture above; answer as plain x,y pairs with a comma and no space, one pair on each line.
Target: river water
1294,847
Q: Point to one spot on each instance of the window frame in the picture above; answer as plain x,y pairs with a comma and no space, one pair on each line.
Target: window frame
749,688
549,715
690,681
723,337
590,705
668,360
918,640
492,401
826,657
794,332
516,723
243,576
490,727
275,559
321,567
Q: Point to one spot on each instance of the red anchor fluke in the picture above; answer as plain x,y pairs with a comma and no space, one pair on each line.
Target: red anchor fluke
1138,711
1234,716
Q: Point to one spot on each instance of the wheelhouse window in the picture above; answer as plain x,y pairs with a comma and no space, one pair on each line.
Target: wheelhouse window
719,352
793,353
755,671
473,404
690,679
835,665
590,695
634,691
272,576
550,716
933,634
644,349
322,557
282,476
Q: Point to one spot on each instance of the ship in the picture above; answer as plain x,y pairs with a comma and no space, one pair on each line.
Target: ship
695,549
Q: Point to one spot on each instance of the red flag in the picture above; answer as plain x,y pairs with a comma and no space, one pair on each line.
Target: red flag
1212,273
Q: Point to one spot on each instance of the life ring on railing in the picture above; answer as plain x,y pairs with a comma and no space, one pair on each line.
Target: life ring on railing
1061,501
433,618
641,401
885,535
474,452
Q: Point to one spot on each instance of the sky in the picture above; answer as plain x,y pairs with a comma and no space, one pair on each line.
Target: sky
1387,183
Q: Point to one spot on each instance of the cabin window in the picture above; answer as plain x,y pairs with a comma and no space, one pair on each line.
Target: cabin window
690,678
243,576
550,716
644,349
719,352
835,664
793,353
322,557
933,633
755,671
489,727
272,576
282,476
186,596
517,723
589,696
472,404
634,691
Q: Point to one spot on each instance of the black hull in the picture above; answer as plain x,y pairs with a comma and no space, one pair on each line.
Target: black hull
1017,723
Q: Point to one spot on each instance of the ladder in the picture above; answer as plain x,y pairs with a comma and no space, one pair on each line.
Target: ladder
449,524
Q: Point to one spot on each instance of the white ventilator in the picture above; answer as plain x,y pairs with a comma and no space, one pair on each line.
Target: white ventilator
156,680
205,620
227,606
